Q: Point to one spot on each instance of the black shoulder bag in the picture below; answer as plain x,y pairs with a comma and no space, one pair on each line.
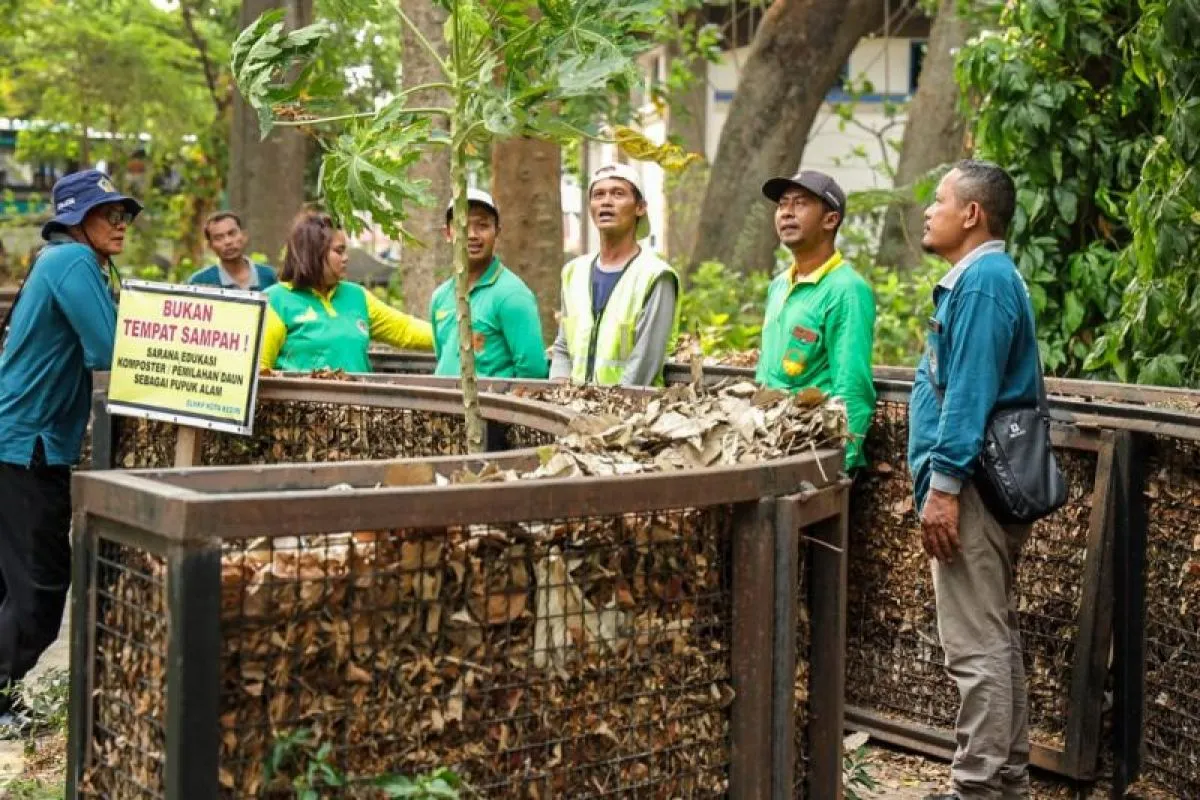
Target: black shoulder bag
1017,475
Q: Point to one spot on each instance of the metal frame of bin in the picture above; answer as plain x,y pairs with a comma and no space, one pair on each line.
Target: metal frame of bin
183,515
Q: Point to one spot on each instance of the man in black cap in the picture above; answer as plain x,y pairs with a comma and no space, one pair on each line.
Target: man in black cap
820,319
59,330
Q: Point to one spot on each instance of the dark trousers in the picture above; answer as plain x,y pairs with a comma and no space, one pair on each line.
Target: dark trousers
35,562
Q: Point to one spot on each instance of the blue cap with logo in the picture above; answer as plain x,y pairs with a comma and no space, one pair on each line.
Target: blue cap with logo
76,194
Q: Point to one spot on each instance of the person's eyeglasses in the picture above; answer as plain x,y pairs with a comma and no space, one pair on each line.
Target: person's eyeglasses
118,216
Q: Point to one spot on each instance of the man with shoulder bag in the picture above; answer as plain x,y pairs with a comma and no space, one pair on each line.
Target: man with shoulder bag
983,471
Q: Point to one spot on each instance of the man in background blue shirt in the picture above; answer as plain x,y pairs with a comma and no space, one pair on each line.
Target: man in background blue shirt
61,328
225,235
981,354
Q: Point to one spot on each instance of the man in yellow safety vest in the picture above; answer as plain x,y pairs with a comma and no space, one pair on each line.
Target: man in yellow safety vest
619,305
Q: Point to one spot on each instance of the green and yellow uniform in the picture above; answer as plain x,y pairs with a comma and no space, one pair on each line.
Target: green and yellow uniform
819,331
308,330
504,320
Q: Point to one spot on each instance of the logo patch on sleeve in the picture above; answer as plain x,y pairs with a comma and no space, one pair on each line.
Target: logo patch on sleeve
806,335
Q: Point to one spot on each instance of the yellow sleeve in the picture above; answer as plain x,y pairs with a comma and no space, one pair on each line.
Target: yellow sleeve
274,335
397,328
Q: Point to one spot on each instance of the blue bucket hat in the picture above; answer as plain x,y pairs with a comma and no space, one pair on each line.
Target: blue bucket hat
76,194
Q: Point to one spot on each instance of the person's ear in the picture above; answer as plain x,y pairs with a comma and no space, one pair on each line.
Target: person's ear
831,220
974,217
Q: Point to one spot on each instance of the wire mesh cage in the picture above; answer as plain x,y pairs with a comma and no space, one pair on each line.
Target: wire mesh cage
1171,732
534,650
293,431
129,673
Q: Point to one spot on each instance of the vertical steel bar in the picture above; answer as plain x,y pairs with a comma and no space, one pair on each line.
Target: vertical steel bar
83,604
102,434
1093,639
827,596
783,714
753,552
1130,597
193,672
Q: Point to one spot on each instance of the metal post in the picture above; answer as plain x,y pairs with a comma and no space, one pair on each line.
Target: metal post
83,603
193,672
753,552
1130,600
827,590
102,434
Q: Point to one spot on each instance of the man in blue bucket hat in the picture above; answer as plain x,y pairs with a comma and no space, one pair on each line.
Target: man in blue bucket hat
59,330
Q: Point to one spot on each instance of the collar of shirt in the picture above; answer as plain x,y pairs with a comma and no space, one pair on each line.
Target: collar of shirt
951,278
227,280
110,272
326,296
817,274
489,276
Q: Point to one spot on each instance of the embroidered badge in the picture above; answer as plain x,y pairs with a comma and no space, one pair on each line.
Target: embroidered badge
478,341
806,335
105,185
793,363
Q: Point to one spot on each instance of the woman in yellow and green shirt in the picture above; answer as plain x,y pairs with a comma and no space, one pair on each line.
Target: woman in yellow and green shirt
317,320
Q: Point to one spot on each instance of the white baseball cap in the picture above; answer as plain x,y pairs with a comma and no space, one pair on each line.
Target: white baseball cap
629,175
475,196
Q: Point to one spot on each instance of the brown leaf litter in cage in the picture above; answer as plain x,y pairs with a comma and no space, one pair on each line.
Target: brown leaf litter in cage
682,428
896,665
536,658
687,346
1172,690
301,431
129,704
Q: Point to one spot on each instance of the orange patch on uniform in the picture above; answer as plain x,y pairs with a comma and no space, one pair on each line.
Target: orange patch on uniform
478,341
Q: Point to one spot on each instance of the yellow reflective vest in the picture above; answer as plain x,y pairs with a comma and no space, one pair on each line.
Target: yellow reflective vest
611,339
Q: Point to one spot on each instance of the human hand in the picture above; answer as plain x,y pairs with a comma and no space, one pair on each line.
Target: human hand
939,526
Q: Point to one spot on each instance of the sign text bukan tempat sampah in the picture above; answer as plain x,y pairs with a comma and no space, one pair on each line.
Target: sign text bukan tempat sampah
187,354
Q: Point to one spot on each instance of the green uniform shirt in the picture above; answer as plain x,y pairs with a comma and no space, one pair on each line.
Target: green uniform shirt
308,330
504,318
819,331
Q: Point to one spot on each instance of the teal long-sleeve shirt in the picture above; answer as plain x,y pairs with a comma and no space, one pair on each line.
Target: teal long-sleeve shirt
504,321
819,331
62,329
981,354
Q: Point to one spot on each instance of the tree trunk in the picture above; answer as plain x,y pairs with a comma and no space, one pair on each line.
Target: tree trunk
266,177
687,125
424,267
933,135
797,53
526,184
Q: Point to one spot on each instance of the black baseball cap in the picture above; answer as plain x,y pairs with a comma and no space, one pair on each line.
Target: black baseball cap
820,184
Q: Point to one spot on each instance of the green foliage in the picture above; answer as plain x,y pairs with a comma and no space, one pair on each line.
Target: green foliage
299,759
1093,107
21,788
724,309
856,774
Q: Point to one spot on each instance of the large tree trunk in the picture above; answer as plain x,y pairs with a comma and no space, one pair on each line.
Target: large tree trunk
687,125
266,177
424,266
527,186
933,135
797,53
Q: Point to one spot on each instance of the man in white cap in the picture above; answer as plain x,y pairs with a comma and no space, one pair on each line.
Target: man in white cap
506,333
620,304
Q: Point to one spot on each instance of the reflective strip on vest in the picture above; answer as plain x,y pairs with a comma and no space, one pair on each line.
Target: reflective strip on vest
618,320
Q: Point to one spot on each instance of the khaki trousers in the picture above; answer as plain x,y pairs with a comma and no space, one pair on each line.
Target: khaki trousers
977,623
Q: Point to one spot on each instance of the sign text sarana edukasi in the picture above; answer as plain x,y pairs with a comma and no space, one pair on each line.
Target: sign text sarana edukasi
187,355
